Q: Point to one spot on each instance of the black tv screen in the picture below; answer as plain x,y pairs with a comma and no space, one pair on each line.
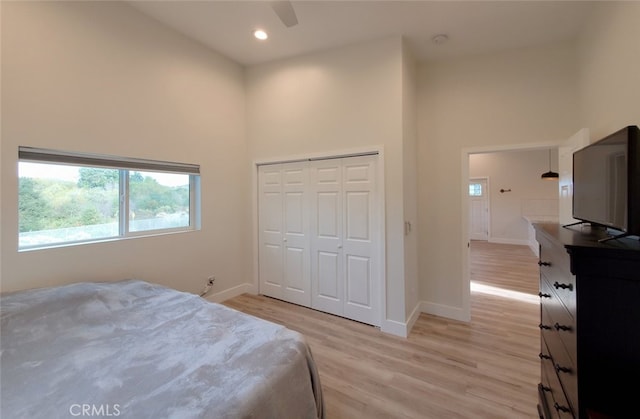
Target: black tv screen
606,182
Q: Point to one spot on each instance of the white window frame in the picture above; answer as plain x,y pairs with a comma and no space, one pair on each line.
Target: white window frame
124,165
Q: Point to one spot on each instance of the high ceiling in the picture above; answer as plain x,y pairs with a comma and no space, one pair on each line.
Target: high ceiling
473,27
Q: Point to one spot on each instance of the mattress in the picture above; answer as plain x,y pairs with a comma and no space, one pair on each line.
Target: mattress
133,349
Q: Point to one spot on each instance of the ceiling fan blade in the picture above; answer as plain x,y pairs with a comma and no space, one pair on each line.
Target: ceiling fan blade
285,12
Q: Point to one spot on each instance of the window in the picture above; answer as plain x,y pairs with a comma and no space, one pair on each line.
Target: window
67,198
475,189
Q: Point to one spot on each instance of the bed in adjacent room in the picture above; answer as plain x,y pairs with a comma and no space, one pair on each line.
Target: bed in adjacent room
138,350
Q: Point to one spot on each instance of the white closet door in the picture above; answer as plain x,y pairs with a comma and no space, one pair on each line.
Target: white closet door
270,234
326,237
344,238
284,258
360,240
296,267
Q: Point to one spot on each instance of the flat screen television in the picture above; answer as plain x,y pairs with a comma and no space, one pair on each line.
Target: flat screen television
606,183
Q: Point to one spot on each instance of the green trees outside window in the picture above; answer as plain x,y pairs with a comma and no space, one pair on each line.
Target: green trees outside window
66,204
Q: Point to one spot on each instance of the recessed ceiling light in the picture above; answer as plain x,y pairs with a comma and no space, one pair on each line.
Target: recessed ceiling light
260,34
440,39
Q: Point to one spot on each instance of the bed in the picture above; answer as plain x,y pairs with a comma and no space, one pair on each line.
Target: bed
133,349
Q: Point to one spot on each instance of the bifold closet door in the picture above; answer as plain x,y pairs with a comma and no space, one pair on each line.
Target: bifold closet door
284,255
345,237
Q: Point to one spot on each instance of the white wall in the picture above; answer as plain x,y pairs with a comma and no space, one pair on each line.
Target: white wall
101,77
609,63
341,99
525,96
530,196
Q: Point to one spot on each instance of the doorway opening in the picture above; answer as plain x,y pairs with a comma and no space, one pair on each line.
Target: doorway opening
514,191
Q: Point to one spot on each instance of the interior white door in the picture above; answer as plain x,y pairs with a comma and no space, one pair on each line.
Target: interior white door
283,254
327,286
345,238
270,234
360,239
478,210
296,253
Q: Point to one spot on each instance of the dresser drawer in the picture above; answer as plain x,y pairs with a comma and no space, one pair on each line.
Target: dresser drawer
559,361
551,389
558,318
554,266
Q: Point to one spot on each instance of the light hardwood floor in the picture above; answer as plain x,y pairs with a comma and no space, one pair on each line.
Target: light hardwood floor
487,368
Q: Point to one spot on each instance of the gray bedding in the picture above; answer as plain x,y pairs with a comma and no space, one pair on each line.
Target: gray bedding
132,349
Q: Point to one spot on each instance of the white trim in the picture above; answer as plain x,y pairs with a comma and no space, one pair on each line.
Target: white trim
338,156
413,317
349,152
402,329
394,327
449,312
231,293
382,248
464,312
535,247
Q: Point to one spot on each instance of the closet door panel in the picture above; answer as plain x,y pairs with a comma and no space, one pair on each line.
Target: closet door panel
284,260
270,234
296,262
358,219
329,277
359,242
358,279
326,240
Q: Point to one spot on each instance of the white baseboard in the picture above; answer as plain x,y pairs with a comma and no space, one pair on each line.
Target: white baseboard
453,313
394,327
401,329
535,248
231,292
415,313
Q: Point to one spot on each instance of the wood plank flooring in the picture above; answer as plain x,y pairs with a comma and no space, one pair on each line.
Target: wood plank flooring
487,368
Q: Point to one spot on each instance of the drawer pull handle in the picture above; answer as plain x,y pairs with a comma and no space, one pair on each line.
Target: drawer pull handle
545,388
562,369
561,408
544,356
541,263
558,285
562,327
544,326
544,295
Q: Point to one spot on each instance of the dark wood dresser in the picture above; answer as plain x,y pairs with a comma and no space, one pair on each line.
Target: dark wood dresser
589,323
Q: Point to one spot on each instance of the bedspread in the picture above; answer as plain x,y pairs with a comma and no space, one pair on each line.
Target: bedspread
133,349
